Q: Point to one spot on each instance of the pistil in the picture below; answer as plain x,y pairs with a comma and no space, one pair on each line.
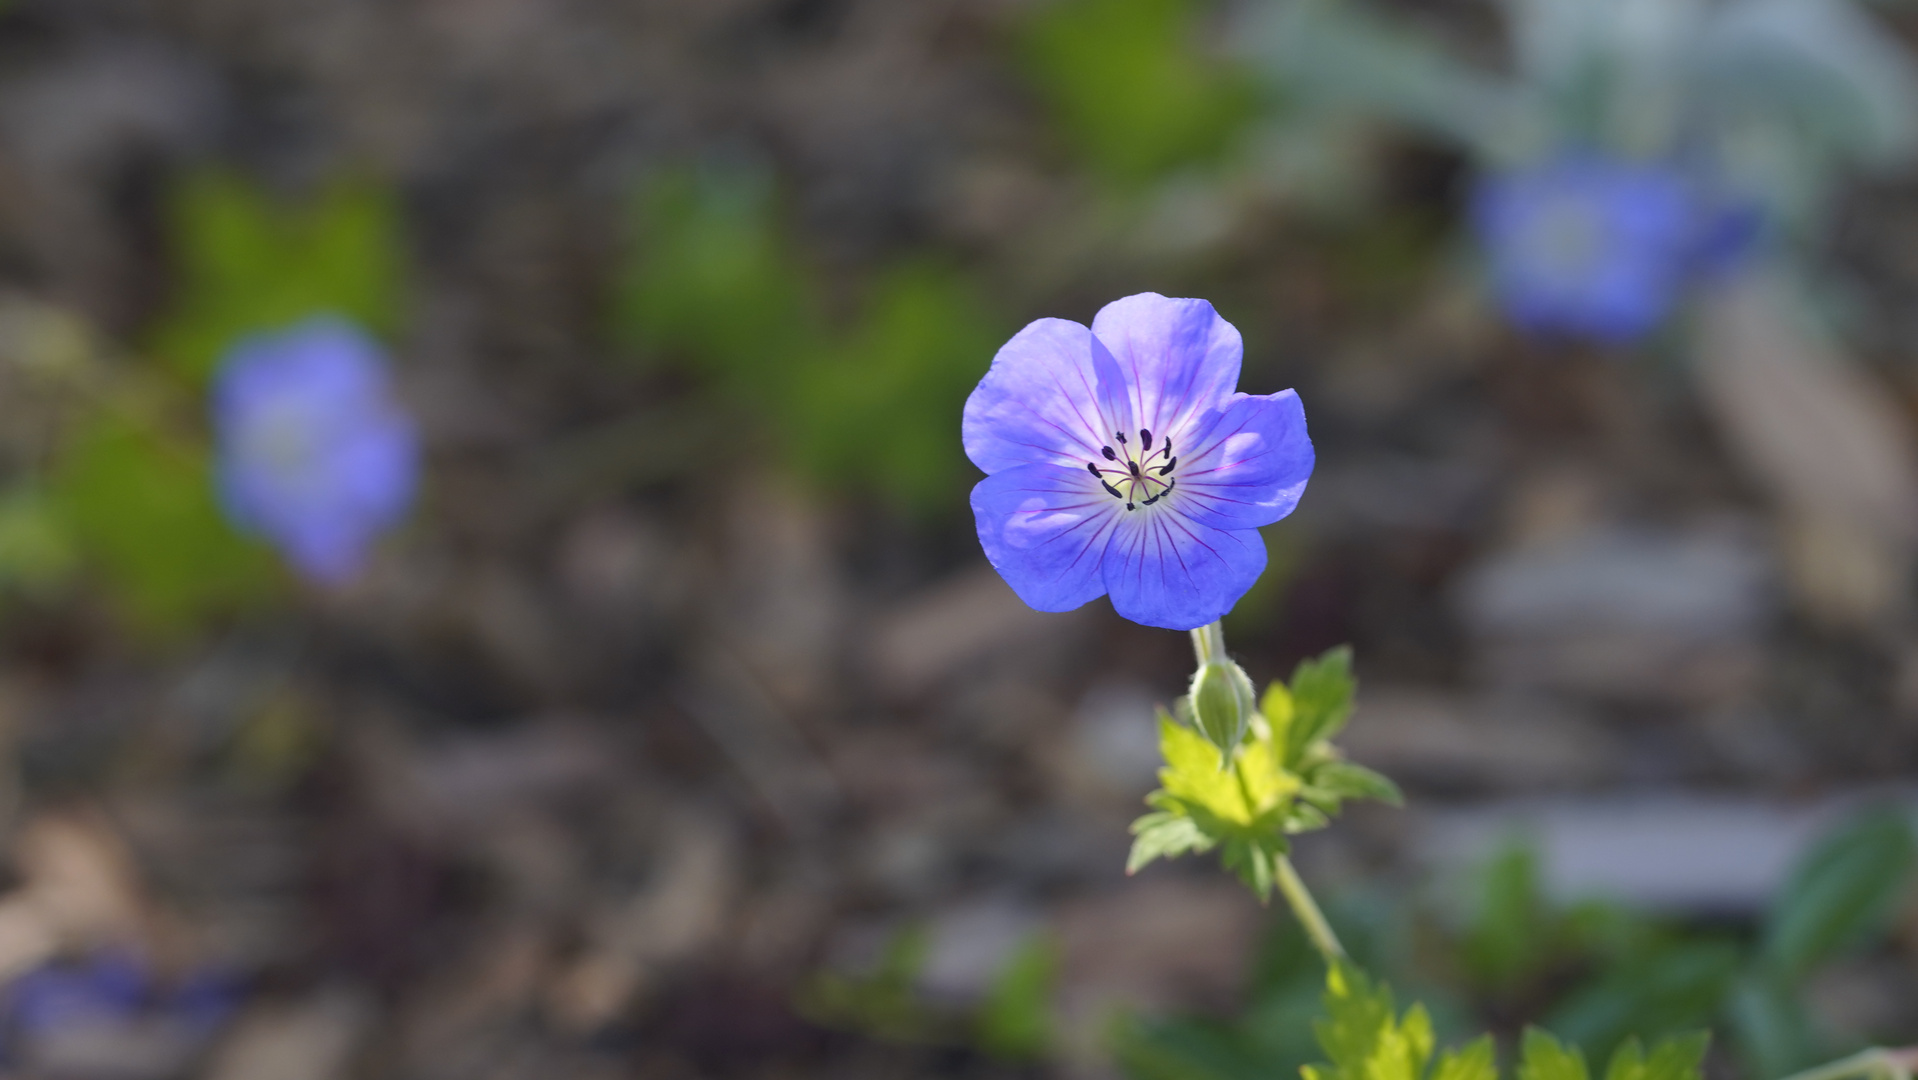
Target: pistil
1139,472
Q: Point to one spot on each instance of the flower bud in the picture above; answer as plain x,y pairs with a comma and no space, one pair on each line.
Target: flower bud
1222,704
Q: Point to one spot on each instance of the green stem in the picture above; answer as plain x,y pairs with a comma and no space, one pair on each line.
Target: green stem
1316,928
1208,643
1875,1062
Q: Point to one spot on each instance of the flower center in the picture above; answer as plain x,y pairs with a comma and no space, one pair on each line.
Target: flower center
1136,477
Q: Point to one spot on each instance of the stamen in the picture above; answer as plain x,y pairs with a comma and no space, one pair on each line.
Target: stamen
1092,467
1121,436
1145,438
1168,446
1110,456
1134,466
1155,498
1129,506
1110,488
1170,484
1166,468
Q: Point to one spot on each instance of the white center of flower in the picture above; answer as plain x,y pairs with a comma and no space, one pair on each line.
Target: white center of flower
1567,236
1137,477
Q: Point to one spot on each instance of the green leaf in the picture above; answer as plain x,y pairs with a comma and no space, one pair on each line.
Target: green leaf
249,264
1543,1057
1659,990
1844,892
872,407
138,502
882,1002
37,550
1164,835
1476,1060
1015,1019
1362,1037
715,281
1678,1058
1129,87
1512,932
1773,1033
1321,693
1331,782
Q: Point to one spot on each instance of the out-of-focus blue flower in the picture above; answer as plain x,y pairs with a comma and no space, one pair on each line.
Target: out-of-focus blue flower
112,990
315,452
1120,460
1601,248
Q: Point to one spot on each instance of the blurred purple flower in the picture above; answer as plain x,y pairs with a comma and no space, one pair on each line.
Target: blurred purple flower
1600,248
315,452
1121,461
113,989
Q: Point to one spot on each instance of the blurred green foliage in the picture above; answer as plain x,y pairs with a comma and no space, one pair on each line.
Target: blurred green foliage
137,498
1015,1021
248,264
1595,973
717,286
883,1002
1366,1038
1129,86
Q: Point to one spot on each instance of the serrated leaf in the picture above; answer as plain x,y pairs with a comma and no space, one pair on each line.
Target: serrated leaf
1361,1035
1679,1058
1164,835
1543,1057
1340,780
1476,1060
1244,795
1840,894
1322,691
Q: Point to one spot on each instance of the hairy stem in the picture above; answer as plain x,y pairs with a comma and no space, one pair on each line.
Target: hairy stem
1320,931
1208,643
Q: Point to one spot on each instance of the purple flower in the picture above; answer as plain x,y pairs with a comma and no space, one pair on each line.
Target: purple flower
1598,247
1120,461
113,990
315,452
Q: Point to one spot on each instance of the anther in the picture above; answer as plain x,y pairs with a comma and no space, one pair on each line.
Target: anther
1167,448
1129,506
1155,498
1163,469
1110,488
1092,467
1134,466
1145,438
1121,436
1110,456
1169,485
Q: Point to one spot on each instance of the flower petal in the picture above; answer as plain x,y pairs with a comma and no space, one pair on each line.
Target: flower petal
1052,396
1178,357
1250,467
1045,529
1164,569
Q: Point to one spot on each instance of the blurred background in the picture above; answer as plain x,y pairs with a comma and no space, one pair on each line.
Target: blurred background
487,588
